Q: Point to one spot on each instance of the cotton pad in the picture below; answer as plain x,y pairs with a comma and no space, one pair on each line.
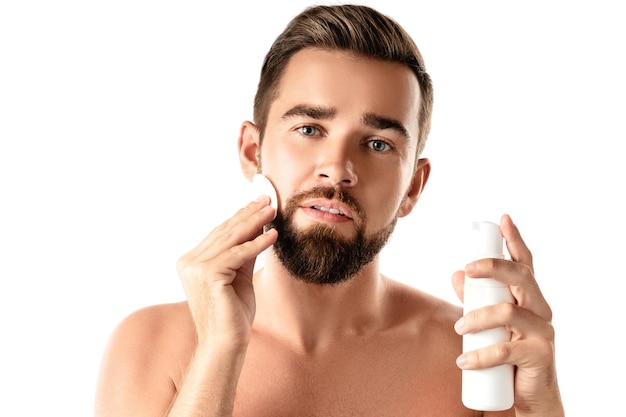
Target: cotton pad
261,185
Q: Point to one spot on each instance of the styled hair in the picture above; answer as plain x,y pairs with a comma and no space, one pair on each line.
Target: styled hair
357,29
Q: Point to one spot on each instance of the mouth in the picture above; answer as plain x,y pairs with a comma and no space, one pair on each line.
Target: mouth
329,210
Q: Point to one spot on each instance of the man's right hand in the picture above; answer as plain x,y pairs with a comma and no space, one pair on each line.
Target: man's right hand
217,276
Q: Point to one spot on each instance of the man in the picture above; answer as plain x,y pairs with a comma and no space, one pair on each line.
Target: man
341,116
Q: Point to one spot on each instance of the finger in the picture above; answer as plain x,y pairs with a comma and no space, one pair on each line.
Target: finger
533,353
231,261
520,279
521,322
514,243
242,283
224,267
245,225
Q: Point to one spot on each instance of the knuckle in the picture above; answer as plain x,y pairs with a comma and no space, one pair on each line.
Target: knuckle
245,211
546,351
491,263
502,352
550,334
192,271
540,354
238,250
182,263
507,311
225,234
548,316
222,232
527,272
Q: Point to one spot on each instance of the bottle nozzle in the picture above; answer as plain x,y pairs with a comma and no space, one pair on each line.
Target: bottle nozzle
488,241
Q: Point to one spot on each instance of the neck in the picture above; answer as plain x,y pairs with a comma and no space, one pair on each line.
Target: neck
311,316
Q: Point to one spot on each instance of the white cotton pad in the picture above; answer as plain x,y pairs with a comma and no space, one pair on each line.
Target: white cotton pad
261,185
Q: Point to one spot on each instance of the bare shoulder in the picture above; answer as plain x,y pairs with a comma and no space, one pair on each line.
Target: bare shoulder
426,322
146,354
151,330
157,319
413,304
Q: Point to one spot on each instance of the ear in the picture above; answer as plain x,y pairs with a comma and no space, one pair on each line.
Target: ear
249,147
420,177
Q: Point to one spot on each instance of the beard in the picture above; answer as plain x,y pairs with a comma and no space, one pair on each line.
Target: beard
318,255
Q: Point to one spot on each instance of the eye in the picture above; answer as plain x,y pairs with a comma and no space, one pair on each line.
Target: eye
379,145
308,130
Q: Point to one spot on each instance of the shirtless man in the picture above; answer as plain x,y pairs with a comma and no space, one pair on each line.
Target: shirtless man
341,116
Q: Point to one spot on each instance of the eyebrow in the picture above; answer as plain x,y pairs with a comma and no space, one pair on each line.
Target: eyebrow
314,112
380,122
326,113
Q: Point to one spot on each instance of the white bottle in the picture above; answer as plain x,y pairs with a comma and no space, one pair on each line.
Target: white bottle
488,389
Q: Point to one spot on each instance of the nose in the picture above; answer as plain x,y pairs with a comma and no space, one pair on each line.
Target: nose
335,167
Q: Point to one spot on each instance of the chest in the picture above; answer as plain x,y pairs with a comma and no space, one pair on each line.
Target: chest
379,379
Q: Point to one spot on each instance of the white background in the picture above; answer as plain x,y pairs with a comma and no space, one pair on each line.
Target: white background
118,128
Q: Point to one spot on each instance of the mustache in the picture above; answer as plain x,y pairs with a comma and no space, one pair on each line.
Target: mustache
330,193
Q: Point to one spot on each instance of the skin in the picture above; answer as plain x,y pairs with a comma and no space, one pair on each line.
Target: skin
265,344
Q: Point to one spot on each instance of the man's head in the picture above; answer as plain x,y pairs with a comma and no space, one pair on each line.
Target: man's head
351,28
342,113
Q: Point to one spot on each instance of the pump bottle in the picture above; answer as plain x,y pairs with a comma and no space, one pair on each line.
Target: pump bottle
489,389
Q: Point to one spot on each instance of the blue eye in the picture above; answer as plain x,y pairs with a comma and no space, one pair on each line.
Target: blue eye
308,130
379,145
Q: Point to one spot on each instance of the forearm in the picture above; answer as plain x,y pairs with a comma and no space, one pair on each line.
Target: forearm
209,386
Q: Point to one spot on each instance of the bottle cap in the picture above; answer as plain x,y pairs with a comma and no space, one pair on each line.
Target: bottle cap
488,240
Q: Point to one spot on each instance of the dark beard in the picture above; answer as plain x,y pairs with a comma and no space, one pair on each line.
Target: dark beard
318,255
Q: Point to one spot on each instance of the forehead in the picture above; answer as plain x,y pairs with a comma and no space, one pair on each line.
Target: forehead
351,84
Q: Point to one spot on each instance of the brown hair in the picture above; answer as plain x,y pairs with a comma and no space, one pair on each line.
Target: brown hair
353,28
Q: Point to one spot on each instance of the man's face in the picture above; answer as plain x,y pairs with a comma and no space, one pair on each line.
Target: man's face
339,147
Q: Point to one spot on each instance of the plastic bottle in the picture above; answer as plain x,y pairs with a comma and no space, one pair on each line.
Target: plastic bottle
488,389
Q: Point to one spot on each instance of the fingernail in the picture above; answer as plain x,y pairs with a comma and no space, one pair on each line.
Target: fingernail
458,326
260,198
461,361
470,268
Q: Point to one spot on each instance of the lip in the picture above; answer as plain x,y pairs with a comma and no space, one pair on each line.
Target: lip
330,204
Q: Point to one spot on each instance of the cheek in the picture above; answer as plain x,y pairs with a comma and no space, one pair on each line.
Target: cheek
282,163
391,188
285,169
276,152
383,203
